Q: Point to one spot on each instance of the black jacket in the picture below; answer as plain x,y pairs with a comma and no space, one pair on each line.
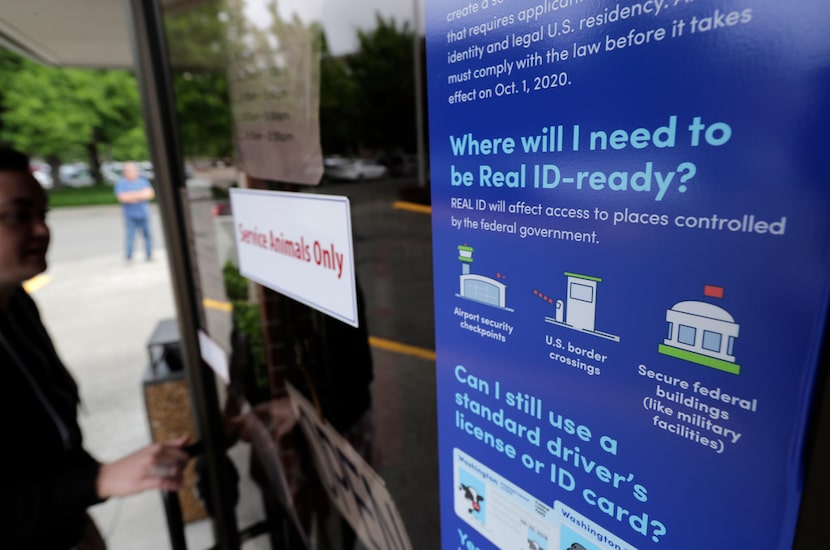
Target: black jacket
47,480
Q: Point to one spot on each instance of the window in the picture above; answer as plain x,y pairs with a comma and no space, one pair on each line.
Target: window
583,293
671,331
712,340
482,292
730,343
686,335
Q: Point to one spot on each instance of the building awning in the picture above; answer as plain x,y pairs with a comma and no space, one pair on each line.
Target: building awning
76,33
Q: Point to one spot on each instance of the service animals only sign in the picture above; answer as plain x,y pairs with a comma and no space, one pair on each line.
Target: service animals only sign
299,245
353,486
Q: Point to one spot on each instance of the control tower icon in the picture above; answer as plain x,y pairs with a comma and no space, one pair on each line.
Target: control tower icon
479,288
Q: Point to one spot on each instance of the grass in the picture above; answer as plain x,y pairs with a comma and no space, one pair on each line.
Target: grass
97,194
82,196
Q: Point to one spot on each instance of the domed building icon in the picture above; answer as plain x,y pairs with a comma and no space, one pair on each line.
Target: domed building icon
702,333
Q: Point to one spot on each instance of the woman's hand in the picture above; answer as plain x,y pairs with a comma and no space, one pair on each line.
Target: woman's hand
157,466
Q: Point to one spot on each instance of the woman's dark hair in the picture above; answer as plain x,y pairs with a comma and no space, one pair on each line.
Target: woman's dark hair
12,159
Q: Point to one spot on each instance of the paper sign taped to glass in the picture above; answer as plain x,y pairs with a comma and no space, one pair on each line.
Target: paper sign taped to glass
274,76
359,493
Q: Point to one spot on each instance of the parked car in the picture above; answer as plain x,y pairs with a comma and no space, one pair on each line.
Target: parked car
76,174
42,172
114,170
337,168
45,180
400,164
145,170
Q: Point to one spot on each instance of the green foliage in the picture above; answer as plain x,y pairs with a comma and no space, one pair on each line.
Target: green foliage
10,63
339,104
247,320
68,114
383,69
236,286
367,98
131,144
218,193
64,114
196,42
204,114
114,99
42,114
196,37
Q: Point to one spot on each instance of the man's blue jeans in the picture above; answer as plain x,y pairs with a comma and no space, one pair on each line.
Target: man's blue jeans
142,225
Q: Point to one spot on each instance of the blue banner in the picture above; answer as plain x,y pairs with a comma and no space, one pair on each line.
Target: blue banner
631,264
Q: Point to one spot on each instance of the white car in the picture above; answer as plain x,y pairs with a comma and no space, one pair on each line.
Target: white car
76,175
354,169
112,171
43,178
42,172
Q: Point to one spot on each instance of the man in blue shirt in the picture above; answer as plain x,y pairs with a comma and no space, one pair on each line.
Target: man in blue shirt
134,193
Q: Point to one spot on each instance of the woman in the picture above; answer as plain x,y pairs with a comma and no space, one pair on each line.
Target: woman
48,480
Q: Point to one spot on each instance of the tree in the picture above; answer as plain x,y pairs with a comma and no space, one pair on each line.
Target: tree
339,103
383,70
203,113
60,114
40,115
112,99
198,57
10,64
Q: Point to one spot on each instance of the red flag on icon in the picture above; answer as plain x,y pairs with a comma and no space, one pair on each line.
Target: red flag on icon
713,291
